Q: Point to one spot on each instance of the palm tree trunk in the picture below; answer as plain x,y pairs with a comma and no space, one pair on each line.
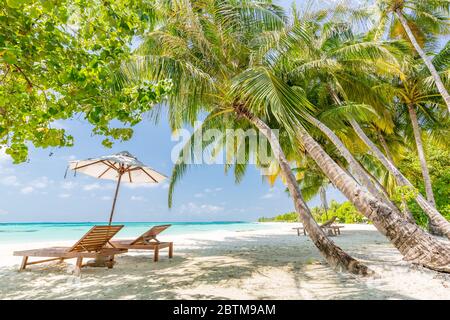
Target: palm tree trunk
423,164
437,79
323,198
358,169
379,185
405,207
414,244
334,255
432,213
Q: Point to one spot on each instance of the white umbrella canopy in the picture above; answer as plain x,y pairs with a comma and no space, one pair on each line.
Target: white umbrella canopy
112,166
122,166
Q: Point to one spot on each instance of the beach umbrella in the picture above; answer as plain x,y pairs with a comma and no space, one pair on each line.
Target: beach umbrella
122,166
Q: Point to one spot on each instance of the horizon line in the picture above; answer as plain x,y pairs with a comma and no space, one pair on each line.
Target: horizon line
161,221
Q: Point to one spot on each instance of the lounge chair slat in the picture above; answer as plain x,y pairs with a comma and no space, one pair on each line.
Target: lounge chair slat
41,261
111,232
152,233
91,245
147,241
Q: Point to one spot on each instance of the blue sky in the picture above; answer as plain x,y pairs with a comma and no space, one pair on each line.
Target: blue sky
37,190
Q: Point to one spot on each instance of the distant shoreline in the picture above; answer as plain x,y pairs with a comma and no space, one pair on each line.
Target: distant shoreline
121,222
63,231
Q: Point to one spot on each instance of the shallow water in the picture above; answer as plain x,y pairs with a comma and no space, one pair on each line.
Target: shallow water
43,232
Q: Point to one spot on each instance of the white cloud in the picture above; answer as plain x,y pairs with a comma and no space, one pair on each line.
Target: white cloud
92,186
195,208
69,157
165,186
40,183
211,190
27,190
10,181
104,198
64,195
137,198
5,162
198,195
98,186
271,194
68,185
140,185
3,212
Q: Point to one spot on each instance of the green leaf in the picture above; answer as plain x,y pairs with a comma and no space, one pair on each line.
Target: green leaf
15,3
9,57
107,143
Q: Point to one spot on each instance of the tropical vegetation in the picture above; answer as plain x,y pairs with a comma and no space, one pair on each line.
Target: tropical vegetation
59,59
354,93
345,213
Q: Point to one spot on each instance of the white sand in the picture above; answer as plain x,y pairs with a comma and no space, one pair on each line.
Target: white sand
274,264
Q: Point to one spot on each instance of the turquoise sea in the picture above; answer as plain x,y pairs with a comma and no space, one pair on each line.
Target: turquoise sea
42,232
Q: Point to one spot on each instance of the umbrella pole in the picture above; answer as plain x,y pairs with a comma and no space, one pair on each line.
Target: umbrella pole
101,261
115,198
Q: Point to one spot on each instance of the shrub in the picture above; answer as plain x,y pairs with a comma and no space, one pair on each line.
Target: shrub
345,213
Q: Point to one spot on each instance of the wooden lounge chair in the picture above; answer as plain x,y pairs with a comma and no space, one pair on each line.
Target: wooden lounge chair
91,245
147,241
326,226
330,228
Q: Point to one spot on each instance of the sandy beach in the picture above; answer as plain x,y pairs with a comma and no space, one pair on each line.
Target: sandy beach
251,264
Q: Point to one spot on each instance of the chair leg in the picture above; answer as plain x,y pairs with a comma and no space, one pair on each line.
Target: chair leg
171,250
78,266
156,255
24,263
111,262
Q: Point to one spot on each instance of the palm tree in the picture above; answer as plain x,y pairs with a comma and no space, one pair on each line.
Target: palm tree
387,144
420,101
309,59
313,182
335,60
343,66
420,20
209,51
435,217
202,46
408,238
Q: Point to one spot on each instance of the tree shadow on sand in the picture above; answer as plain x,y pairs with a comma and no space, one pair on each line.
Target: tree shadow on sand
247,267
